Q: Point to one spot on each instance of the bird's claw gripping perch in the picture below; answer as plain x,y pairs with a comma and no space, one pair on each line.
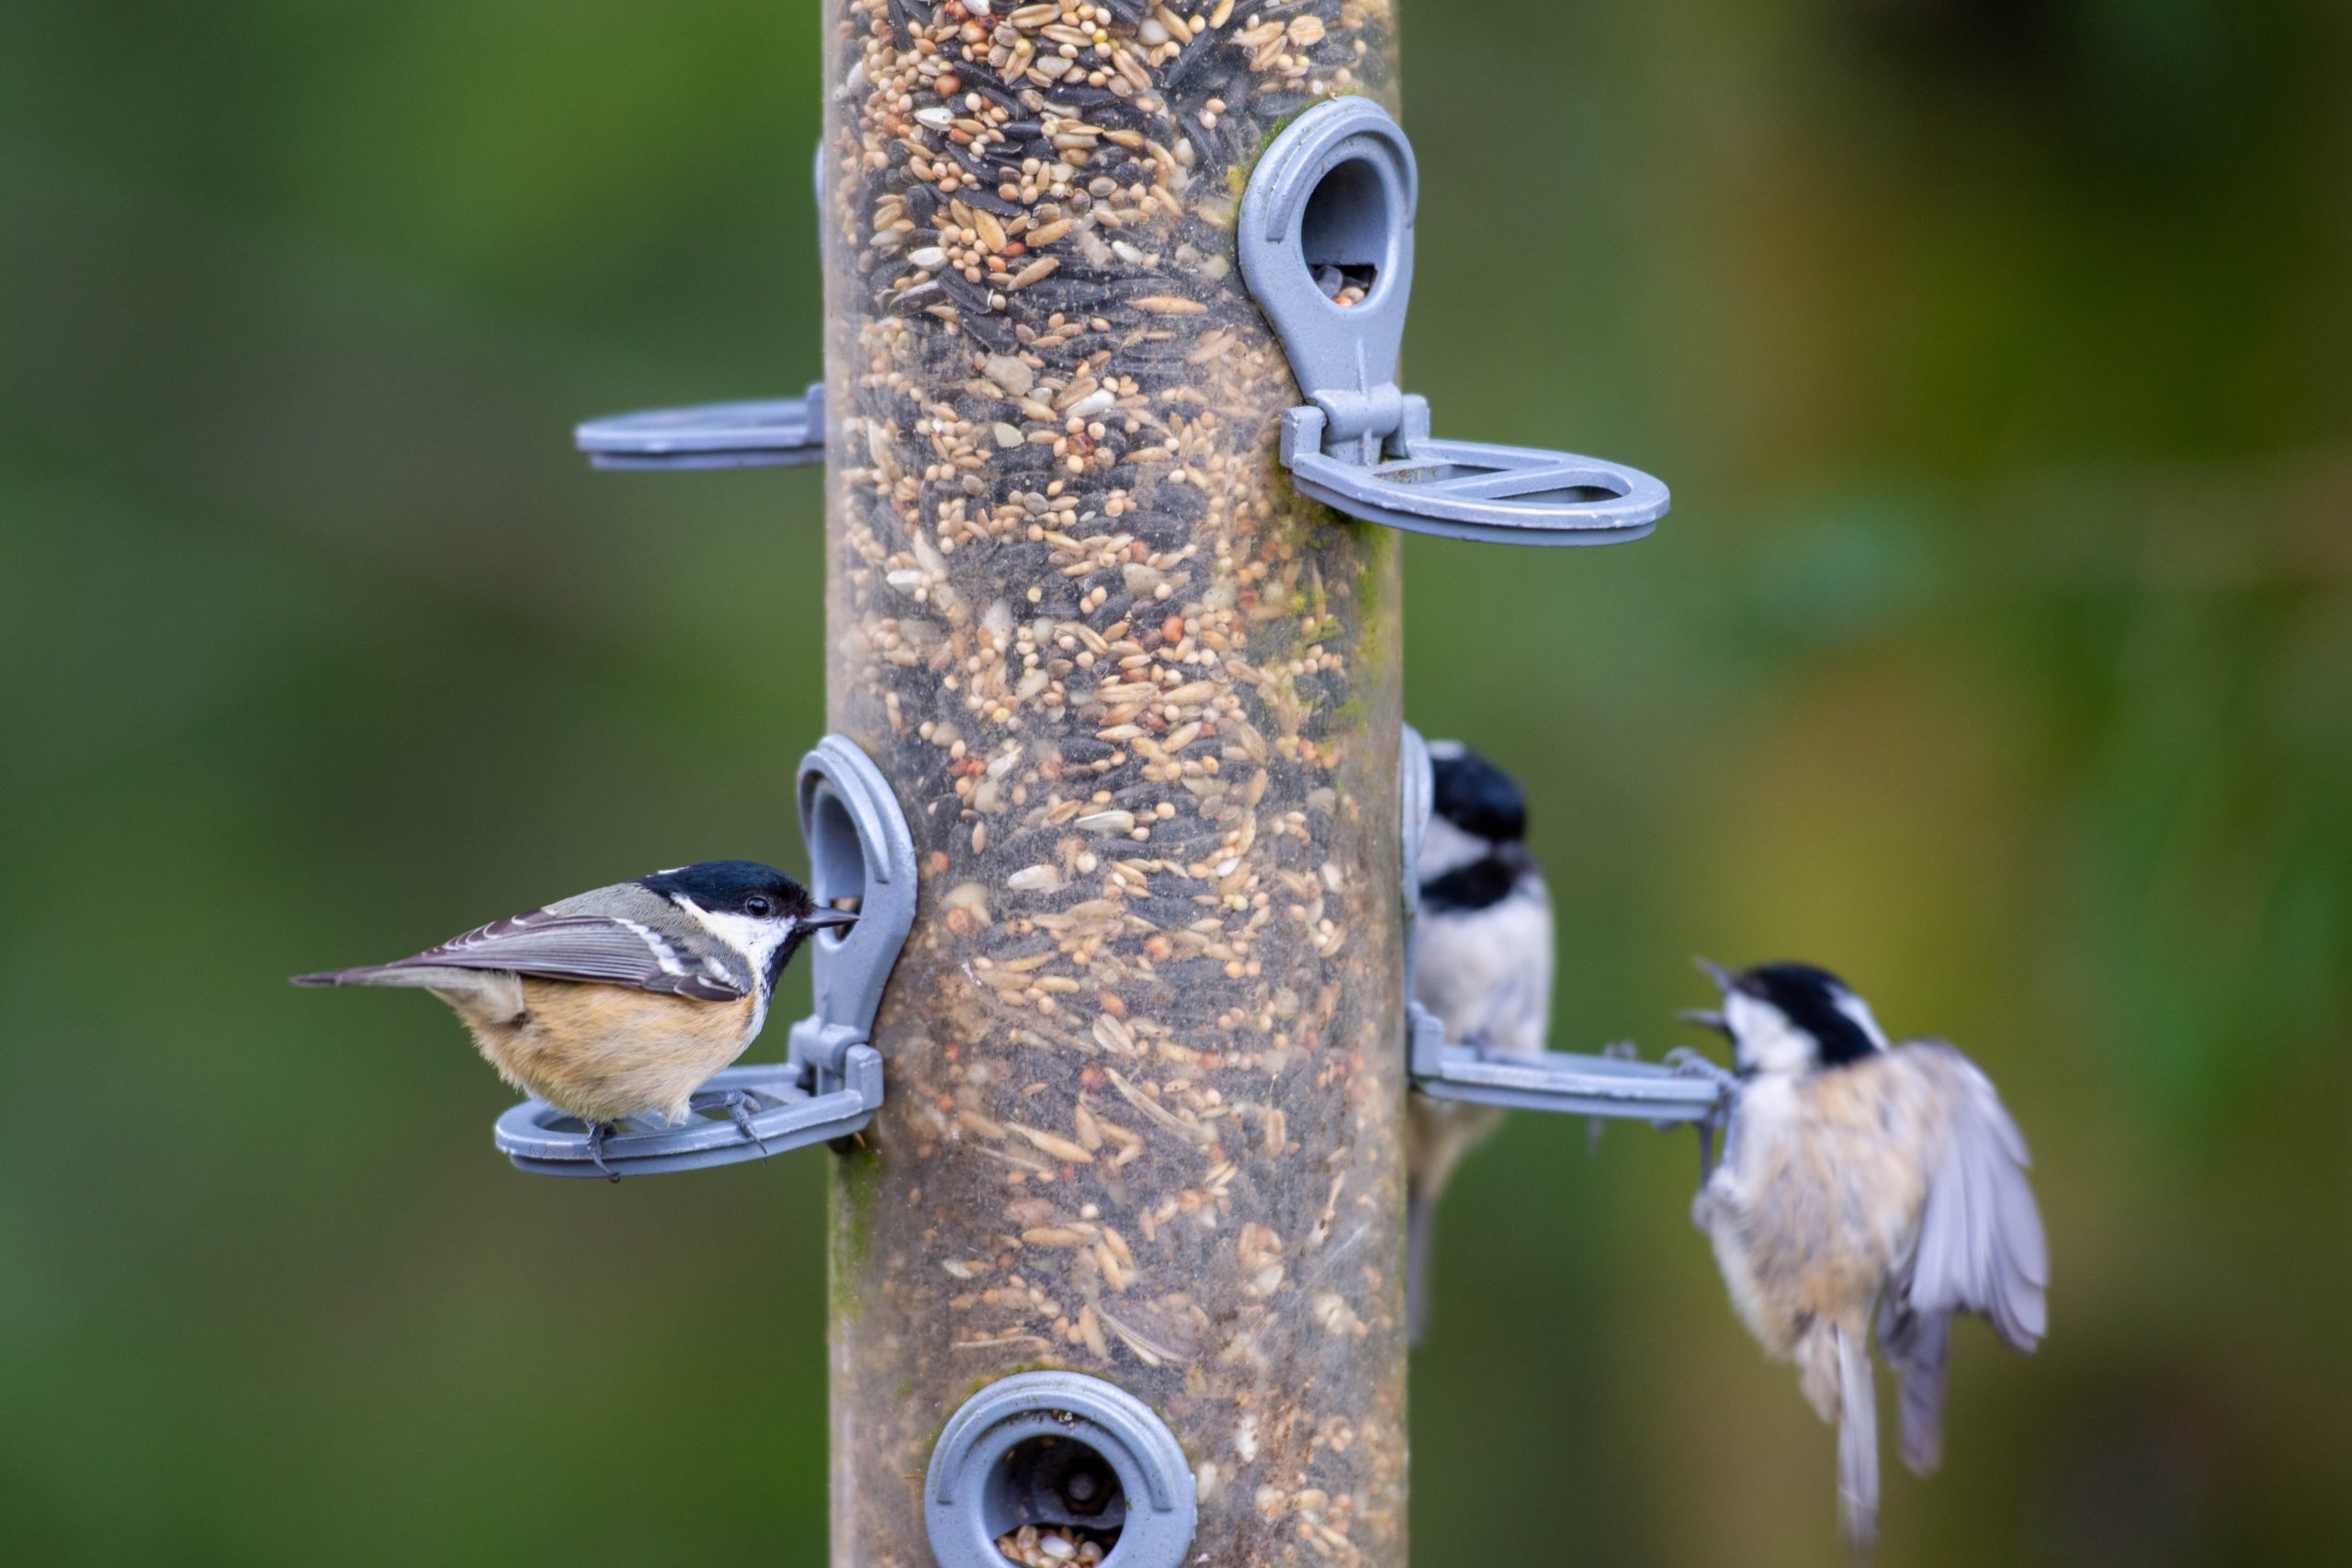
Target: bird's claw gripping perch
1688,1063
597,1132
741,1105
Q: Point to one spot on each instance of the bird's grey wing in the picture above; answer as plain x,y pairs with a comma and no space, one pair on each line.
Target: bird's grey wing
1981,1247
550,945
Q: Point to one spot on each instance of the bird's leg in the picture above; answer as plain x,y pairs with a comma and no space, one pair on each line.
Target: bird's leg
596,1131
738,1104
1716,1122
1690,1064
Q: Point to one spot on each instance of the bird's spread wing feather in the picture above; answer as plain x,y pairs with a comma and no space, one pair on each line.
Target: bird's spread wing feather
558,946
1981,1245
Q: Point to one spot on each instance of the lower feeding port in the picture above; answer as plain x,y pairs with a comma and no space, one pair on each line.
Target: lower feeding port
1056,1500
1047,1469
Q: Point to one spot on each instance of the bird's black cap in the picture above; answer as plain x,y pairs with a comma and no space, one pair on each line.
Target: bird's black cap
1814,1000
1477,797
730,885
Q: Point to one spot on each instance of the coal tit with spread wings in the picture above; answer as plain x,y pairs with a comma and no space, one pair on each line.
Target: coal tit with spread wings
1485,971
1859,1177
624,1001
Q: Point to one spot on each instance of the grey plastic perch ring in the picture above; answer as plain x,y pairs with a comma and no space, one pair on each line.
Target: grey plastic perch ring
1326,243
774,433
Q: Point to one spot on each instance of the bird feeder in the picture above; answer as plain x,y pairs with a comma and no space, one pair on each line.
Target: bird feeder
1117,455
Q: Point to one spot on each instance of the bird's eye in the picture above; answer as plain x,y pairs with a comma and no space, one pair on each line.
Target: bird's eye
759,905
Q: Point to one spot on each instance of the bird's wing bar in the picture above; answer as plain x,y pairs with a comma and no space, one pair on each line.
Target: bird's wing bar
596,948
1981,1247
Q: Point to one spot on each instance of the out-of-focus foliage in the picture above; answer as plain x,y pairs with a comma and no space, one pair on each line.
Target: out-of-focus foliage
1999,653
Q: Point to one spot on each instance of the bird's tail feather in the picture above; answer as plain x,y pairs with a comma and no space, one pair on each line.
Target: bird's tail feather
1919,1347
1857,1445
419,976
1419,1214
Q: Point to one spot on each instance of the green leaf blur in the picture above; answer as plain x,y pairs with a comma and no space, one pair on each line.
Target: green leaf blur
1999,653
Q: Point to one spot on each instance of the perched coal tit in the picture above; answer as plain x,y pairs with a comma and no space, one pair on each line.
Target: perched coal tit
1485,971
623,1001
1858,1178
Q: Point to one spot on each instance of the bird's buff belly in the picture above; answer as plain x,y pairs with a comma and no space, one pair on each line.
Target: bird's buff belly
606,1053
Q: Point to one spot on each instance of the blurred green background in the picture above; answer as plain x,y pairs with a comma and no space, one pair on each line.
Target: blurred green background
1999,653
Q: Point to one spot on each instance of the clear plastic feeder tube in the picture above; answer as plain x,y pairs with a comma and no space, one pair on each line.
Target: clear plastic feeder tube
1140,703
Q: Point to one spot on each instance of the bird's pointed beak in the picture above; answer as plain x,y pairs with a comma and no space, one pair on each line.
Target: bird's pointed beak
1714,971
1706,1018
820,917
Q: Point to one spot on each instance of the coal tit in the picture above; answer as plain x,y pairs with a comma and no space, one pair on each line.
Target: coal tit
1858,1178
624,1001
1485,971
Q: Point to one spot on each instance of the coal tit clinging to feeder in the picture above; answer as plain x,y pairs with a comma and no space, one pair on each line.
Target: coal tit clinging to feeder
1861,1179
624,1001
1485,971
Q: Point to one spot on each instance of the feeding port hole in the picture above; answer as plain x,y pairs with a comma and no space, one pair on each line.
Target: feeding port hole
1348,231
1064,1491
836,858
1598,486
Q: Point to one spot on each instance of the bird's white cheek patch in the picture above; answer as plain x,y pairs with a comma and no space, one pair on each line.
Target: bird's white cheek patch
1853,1007
1447,848
1764,1039
755,940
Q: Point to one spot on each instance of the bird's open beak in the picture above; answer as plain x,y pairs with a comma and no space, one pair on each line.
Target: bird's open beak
820,917
1712,1017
